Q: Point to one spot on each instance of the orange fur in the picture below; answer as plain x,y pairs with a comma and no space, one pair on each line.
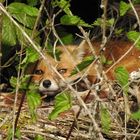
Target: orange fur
114,50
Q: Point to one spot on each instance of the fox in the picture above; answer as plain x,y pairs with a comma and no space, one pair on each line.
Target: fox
51,84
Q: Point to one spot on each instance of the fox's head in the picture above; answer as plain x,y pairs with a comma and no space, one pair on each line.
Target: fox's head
49,82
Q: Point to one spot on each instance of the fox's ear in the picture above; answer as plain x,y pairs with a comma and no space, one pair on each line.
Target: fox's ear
79,52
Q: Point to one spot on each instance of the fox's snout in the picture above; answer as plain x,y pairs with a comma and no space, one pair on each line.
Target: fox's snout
49,87
46,83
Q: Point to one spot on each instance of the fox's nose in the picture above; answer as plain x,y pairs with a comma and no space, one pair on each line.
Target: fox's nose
46,83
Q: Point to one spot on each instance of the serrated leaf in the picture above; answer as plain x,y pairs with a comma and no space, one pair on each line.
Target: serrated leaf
23,82
105,119
136,115
67,39
124,7
25,19
31,55
133,36
62,103
99,22
13,81
118,31
33,100
110,22
73,20
22,40
84,64
39,137
65,6
18,8
122,76
8,32
23,13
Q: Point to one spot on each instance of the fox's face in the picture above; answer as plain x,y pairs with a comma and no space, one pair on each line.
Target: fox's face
49,82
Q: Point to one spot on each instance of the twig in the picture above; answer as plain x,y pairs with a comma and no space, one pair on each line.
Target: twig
135,12
38,18
104,19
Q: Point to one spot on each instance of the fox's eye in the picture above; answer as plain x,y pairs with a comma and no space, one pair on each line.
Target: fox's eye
38,72
62,71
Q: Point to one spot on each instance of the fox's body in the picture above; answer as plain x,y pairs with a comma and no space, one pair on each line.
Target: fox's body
50,83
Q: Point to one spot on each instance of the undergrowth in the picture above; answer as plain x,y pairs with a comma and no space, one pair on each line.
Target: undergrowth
27,29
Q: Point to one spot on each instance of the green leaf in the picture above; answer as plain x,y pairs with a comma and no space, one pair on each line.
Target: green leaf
136,1
118,31
105,119
122,76
136,115
8,32
73,20
67,39
124,7
23,82
10,134
25,20
23,13
110,22
62,103
33,100
64,5
32,2
99,22
13,81
21,8
22,40
105,61
1,1
86,62
133,36
39,137
31,55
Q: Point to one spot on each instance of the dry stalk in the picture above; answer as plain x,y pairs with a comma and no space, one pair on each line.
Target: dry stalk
135,12
0,37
